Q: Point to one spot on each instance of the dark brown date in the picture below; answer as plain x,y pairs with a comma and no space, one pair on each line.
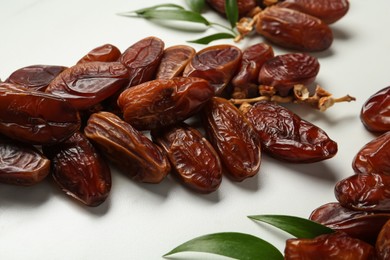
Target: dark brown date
163,102
286,136
365,192
79,170
375,112
374,156
174,60
335,246
284,71
35,117
329,11
86,84
36,77
127,148
293,29
142,59
383,243
194,161
217,64
21,164
244,6
245,82
363,225
104,53
233,137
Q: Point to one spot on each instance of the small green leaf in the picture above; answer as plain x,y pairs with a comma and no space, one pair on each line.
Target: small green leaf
196,5
298,227
154,7
213,37
231,9
230,244
177,15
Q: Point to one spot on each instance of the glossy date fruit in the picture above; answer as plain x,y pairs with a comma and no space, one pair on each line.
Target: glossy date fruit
382,245
335,246
21,164
174,60
127,148
103,53
163,102
374,156
217,64
86,84
194,161
286,136
375,112
35,117
244,6
284,71
293,29
79,170
233,137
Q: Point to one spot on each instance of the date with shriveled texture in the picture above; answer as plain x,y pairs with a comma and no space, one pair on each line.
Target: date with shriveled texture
79,170
174,60
35,117
244,6
286,136
21,164
194,161
127,148
233,137
103,53
162,102
383,243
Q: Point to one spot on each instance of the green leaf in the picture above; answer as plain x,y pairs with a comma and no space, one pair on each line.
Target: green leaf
196,5
231,9
213,37
178,15
154,7
230,244
298,227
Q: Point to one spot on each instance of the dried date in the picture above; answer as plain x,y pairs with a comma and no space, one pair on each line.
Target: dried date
104,53
244,6
382,245
174,60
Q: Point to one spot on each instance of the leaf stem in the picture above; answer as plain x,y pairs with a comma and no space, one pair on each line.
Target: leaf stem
224,27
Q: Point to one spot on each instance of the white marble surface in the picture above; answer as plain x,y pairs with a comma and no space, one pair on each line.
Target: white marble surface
141,221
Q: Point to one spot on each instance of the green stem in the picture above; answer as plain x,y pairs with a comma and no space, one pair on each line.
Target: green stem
224,27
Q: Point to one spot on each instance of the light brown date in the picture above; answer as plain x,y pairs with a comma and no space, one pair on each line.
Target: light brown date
104,53
174,60
127,148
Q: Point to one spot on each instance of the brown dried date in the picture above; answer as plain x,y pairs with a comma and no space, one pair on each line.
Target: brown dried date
245,82
284,71
328,11
335,246
244,6
127,148
174,60
375,112
193,159
79,170
162,102
382,245
86,84
286,136
35,117
365,192
233,137
103,53
217,64
374,156
293,29
21,164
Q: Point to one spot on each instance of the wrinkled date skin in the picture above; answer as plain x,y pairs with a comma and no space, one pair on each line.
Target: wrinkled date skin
284,135
103,53
335,246
174,60
374,156
245,82
193,159
79,170
375,112
35,117
383,243
217,64
365,192
329,11
233,137
36,77
21,164
142,59
284,71
86,84
129,149
363,225
294,30
163,102
244,6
